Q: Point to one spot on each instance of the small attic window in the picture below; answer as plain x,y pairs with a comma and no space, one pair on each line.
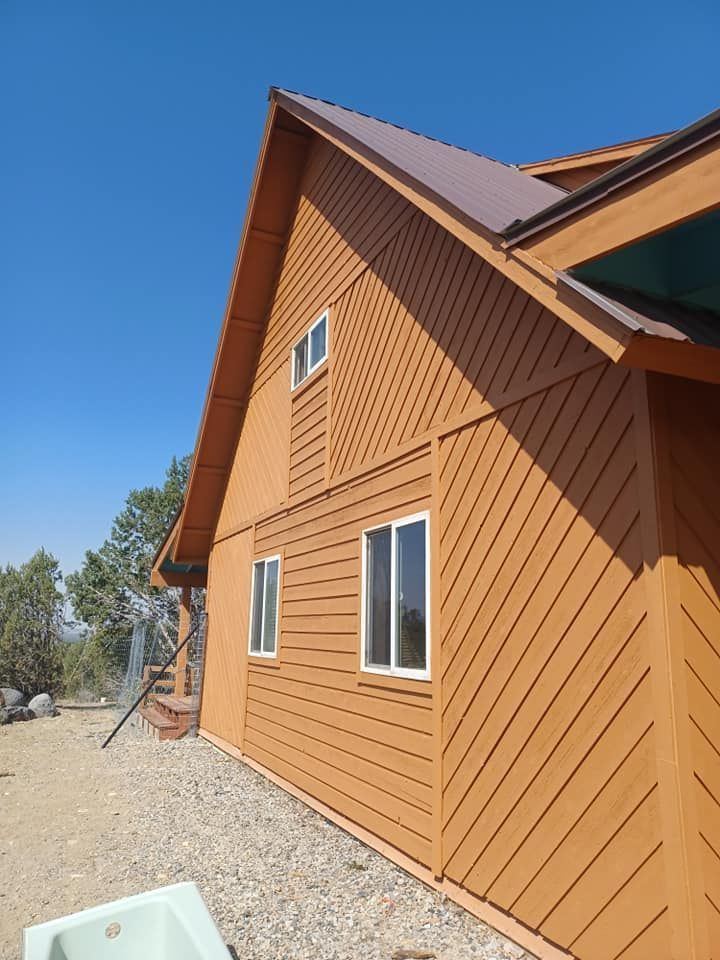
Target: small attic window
310,351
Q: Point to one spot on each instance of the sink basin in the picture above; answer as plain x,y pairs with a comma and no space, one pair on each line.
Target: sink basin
171,923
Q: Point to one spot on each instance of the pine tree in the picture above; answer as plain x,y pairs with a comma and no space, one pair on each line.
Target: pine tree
31,620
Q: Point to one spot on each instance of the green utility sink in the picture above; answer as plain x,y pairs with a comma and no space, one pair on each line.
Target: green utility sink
171,923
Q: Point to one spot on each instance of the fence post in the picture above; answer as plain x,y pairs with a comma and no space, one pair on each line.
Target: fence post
183,630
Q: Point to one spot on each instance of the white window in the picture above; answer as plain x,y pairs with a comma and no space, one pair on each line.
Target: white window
395,620
264,607
311,351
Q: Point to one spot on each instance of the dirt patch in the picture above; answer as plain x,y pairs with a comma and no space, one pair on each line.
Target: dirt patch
81,826
59,803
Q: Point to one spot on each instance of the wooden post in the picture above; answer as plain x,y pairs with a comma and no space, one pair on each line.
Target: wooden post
183,630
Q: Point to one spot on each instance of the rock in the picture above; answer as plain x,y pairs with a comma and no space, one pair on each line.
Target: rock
19,713
4,718
13,698
43,705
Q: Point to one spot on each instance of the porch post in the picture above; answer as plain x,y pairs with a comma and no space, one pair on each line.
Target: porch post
183,630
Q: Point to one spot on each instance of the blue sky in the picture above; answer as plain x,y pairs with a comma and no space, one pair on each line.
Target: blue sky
129,135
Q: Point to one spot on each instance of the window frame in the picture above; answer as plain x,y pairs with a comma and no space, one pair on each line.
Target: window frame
261,652
394,670
325,315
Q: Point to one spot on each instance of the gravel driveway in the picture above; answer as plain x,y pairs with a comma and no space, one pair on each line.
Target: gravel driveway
80,826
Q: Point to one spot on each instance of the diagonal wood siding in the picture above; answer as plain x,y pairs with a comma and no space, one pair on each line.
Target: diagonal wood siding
695,458
345,216
426,333
549,781
259,477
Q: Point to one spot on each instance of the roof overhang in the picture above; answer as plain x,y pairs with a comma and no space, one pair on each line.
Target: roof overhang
166,573
675,180
272,201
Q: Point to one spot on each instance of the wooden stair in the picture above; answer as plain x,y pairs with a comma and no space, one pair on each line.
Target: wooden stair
167,717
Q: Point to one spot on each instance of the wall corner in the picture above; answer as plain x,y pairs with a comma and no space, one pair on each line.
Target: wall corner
679,826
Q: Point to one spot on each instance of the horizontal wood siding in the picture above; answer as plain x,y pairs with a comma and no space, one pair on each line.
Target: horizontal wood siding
550,806
259,477
427,332
222,707
365,750
695,457
308,437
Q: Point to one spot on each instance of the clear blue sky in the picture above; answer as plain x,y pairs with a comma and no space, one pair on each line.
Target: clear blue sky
129,135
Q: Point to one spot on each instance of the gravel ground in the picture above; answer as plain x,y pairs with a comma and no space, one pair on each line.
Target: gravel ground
81,826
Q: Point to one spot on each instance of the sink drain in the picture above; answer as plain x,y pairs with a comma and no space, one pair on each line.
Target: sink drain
112,930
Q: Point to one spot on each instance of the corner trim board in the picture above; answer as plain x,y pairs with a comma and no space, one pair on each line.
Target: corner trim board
680,834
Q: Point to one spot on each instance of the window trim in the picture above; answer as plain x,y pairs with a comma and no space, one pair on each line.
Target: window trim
261,652
393,670
325,315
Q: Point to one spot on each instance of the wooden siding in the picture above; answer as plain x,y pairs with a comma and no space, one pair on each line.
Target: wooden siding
527,770
363,749
308,436
577,177
259,476
694,413
345,216
223,707
549,780
428,332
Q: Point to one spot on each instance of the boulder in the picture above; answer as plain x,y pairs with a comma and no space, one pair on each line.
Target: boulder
19,713
43,705
13,698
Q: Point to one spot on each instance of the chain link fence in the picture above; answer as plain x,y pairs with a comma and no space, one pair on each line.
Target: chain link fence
116,673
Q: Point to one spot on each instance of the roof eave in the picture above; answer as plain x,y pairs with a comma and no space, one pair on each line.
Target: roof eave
663,152
240,335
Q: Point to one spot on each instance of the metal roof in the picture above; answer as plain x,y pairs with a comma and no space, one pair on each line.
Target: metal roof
491,193
704,129
653,316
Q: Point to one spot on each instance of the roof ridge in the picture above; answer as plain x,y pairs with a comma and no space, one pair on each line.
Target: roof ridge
398,126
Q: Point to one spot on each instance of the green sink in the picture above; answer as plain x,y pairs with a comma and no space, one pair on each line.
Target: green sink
171,923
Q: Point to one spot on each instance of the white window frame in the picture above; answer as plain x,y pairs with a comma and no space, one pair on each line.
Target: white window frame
394,670
261,652
325,315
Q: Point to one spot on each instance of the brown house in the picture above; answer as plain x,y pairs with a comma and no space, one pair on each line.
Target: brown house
456,490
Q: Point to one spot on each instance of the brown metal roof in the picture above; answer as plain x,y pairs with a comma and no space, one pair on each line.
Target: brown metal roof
649,315
664,151
491,193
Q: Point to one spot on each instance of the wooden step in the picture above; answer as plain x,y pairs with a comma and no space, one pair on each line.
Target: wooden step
173,704
180,710
158,724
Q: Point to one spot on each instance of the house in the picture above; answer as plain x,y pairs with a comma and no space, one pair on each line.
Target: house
455,490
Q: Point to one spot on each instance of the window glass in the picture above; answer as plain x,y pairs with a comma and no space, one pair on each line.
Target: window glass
378,598
270,611
395,599
257,607
318,342
300,361
410,588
